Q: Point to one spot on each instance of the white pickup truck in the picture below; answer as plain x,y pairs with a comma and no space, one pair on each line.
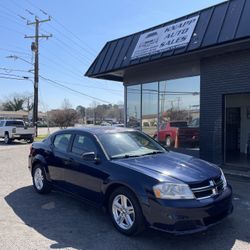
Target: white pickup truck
16,130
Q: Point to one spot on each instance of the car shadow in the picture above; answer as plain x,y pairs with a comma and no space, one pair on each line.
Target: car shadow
71,223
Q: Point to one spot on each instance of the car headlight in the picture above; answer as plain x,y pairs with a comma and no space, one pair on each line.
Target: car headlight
173,191
223,178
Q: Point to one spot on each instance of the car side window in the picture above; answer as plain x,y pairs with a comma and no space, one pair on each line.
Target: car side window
83,144
61,142
1,123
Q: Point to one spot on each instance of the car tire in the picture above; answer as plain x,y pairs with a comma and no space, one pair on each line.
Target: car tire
6,138
31,140
40,183
125,212
169,142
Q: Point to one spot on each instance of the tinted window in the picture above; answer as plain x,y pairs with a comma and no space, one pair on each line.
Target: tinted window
61,142
14,123
178,124
83,144
1,123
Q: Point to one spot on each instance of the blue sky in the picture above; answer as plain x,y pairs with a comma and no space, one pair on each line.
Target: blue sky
67,55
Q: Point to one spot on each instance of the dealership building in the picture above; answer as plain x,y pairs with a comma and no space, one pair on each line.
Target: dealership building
195,69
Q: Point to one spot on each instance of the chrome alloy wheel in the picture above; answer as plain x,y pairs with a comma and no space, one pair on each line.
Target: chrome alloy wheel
123,212
38,179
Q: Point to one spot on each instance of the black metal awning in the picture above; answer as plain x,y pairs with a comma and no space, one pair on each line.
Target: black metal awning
224,23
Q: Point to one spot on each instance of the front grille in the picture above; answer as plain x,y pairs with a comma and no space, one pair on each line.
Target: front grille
207,189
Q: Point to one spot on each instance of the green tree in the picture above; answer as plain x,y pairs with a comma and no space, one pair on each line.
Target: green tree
13,105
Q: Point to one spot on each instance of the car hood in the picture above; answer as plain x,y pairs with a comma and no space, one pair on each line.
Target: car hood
182,167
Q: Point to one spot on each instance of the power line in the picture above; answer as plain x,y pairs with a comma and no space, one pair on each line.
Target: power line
14,51
15,70
49,59
57,61
73,90
20,58
91,50
14,75
58,41
10,18
10,29
69,38
29,71
87,86
12,78
65,45
6,8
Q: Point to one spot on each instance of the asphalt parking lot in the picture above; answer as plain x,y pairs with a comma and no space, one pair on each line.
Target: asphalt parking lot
57,221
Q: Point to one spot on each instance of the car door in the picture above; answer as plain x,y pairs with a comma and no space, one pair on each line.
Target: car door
58,157
85,177
161,136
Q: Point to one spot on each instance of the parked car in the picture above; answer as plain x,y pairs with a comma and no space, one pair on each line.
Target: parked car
140,183
170,131
195,123
118,125
16,130
104,123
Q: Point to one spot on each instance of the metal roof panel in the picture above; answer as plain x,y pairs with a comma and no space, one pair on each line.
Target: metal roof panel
215,25
224,22
231,21
243,28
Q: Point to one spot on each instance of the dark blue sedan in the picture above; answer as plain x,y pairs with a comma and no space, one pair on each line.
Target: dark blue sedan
139,182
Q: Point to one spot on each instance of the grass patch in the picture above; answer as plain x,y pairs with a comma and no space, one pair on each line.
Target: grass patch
40,137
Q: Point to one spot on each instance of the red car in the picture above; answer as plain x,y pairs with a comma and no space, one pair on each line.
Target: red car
169,132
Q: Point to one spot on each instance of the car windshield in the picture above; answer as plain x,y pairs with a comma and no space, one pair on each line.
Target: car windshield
129,144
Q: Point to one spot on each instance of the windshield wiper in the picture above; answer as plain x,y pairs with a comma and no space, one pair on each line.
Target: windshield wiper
123,156
131,156
154,152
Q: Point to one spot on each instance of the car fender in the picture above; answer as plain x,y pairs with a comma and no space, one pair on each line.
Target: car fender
41,160
135,187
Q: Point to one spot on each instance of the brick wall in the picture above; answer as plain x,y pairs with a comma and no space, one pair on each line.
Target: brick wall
221,75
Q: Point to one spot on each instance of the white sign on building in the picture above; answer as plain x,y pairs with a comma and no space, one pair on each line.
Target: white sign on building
166,38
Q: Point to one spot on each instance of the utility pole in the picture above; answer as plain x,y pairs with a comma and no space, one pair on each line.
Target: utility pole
35,49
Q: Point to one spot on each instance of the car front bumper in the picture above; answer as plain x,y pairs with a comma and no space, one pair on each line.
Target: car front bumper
22,136
188,216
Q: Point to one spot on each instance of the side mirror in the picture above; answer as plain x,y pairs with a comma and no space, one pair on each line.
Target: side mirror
90,156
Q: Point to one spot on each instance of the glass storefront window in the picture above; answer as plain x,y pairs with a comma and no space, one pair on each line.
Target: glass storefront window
150,108
180,108
134,106
176,103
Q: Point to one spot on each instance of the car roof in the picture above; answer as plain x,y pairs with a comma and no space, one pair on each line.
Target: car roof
97,130
11,120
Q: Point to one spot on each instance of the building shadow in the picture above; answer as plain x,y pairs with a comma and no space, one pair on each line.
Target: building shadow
71,223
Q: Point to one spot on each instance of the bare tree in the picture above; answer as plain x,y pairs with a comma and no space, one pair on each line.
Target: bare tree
65,117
